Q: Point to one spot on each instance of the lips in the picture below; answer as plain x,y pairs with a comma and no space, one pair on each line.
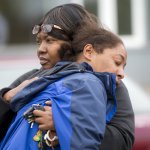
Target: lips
43,60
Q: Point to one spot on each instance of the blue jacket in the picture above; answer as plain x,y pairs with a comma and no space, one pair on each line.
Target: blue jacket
82,103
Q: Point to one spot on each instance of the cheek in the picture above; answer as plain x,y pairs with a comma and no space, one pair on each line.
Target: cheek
38,50
53,52
112,70
108,67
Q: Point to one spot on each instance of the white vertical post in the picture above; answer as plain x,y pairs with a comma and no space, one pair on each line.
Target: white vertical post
108,13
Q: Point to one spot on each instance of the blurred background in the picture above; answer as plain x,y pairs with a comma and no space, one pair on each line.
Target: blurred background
130,19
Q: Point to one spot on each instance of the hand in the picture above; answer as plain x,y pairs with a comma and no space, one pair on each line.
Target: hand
44,118
8,96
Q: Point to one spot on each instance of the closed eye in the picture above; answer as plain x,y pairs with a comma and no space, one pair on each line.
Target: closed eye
118,63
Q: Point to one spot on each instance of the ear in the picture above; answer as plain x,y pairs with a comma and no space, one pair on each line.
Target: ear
88,52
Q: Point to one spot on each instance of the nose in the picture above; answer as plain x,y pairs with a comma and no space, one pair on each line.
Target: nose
120,73
42,47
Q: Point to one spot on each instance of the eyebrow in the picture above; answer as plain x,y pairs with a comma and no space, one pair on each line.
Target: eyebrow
43,36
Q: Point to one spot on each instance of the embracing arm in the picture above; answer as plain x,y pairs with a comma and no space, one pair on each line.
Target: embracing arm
16,83
6,114
120,131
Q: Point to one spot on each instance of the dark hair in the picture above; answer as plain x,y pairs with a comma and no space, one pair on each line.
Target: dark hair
66,52
99,38
68,17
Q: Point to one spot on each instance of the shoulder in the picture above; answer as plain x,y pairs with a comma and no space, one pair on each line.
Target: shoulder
86,82
83,77
83,81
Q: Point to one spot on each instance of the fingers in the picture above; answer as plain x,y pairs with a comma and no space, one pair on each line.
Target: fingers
44,118
48,103
48,108
38,113
45,127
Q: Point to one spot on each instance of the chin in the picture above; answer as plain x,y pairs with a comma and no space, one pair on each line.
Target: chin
46,67
118,82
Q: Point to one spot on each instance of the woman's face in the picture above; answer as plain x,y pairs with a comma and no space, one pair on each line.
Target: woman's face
48,50
111,60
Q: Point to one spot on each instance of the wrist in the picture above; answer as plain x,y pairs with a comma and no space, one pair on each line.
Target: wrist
8,95
51,138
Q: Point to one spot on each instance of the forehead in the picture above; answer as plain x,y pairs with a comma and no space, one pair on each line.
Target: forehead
41,36
118,50
44,35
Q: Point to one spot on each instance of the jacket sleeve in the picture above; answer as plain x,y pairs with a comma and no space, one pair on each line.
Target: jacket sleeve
6,114
121,127
79,112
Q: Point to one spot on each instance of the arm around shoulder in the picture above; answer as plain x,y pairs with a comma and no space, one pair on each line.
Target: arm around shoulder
6,114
